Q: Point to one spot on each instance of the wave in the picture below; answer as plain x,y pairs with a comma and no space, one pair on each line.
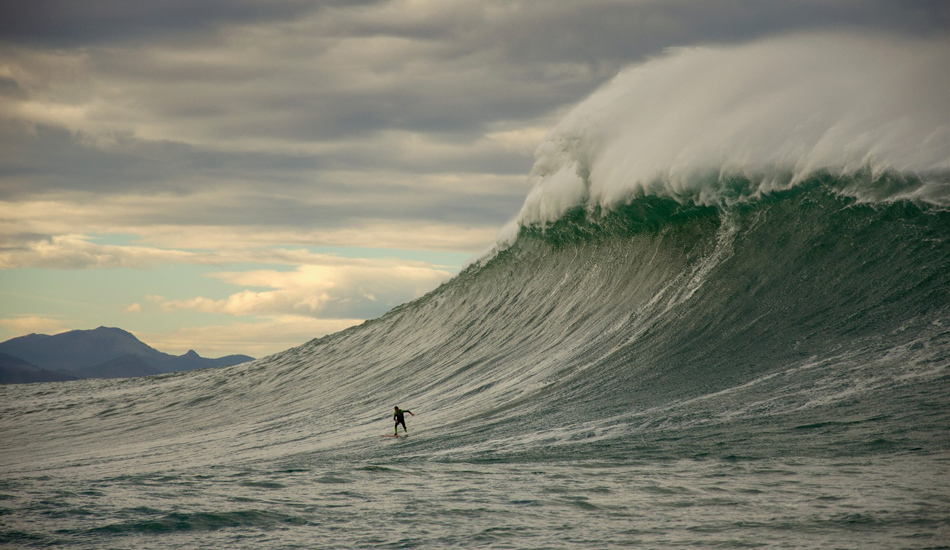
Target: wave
771,114
658,327
805,322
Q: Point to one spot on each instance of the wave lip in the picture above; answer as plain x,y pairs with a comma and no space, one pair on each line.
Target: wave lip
773,112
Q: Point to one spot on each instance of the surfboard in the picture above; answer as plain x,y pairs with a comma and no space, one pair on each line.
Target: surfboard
391,436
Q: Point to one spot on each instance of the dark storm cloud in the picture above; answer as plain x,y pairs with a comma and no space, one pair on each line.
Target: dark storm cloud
530,28
595,32
134,165
297,192
68,23
296,87
476,62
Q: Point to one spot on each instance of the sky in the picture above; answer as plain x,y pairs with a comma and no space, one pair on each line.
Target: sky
244,176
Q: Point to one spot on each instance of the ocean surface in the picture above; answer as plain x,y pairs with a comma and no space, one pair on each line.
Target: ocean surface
773,373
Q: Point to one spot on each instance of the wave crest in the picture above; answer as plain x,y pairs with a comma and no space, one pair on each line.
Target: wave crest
691,124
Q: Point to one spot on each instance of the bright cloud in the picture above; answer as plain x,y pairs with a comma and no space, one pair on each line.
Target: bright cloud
20,326
338,288
77,252
232,246
256,339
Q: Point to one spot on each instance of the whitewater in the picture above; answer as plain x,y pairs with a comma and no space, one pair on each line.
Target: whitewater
721,319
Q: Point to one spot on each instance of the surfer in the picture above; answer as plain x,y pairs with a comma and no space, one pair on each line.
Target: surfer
400,417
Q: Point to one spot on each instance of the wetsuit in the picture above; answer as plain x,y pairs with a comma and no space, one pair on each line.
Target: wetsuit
400,417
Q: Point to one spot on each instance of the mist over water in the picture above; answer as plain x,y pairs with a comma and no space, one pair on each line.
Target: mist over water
670,349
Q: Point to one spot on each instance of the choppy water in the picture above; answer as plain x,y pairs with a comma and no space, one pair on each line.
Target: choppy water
772,373
894,502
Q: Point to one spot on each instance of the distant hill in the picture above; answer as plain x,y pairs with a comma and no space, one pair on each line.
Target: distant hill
126,366
105,353
14,370
76,349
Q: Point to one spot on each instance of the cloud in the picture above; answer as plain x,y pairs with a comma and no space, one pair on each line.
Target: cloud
256,339
325,117
64,24
334,288
30,324
290,75
76,252
285,88
397,177
222,245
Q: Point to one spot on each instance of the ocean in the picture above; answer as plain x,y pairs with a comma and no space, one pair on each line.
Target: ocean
750,348
771,374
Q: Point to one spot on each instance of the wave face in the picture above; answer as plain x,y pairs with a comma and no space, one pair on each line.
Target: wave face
805,310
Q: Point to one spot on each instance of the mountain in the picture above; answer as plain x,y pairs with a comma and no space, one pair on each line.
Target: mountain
105,353
126,366
76,349
14,370
191,360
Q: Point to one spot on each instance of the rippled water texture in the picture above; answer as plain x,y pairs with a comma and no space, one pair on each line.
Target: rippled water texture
880,503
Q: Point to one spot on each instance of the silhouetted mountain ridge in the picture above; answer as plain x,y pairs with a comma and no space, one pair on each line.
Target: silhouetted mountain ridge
126,366
93,353
14,370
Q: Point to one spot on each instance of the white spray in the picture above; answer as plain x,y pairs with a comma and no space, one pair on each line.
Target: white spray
773,111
